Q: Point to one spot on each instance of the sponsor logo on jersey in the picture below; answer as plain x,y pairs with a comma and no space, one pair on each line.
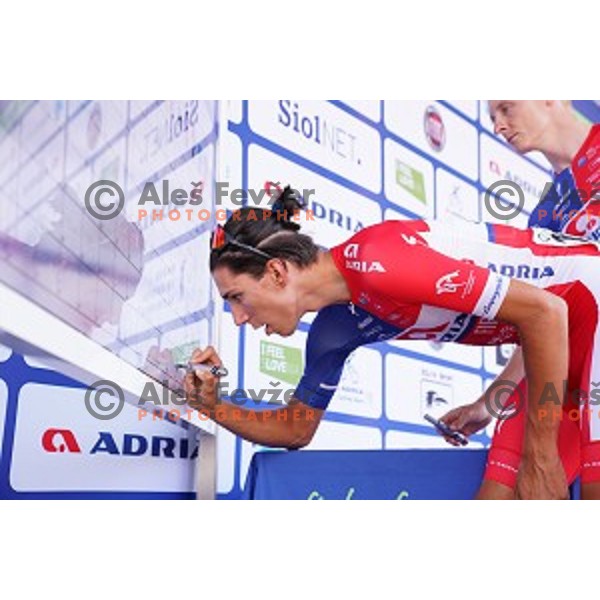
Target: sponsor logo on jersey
585,225
447,284
427,333
351,250
491,303
363,266
457,328
522,271
411,240
505,333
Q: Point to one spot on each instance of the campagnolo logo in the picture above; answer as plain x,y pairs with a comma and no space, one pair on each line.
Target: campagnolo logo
491,303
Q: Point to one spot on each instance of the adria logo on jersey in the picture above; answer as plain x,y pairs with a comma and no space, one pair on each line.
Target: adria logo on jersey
362,266
351,250
522,271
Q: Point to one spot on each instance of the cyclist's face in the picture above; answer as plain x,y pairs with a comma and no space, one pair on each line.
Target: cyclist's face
521,123
268,302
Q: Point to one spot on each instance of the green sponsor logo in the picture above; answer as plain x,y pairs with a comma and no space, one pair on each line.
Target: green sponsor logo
411,180
281,362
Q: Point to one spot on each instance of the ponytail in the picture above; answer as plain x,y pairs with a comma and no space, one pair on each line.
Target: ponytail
253,236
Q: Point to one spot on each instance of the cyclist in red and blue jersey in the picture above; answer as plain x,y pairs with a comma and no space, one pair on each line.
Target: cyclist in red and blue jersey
571,146
416,280
570,206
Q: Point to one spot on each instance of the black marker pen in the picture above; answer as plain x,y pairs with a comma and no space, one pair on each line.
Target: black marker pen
195,367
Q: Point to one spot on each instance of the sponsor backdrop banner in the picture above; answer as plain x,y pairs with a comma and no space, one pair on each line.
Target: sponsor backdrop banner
365,160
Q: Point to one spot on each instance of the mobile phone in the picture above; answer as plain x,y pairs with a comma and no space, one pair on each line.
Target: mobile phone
445,430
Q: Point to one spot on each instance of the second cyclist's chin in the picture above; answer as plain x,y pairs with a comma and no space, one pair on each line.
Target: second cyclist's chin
522,145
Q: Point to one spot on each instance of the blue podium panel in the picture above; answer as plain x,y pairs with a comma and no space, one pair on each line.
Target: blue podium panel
366,475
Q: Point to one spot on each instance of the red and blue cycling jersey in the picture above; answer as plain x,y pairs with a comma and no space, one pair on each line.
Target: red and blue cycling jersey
421,280
572,204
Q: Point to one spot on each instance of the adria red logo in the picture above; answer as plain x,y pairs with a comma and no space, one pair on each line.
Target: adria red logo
59,440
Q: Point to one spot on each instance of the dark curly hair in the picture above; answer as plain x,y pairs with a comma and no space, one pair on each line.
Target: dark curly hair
253,236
